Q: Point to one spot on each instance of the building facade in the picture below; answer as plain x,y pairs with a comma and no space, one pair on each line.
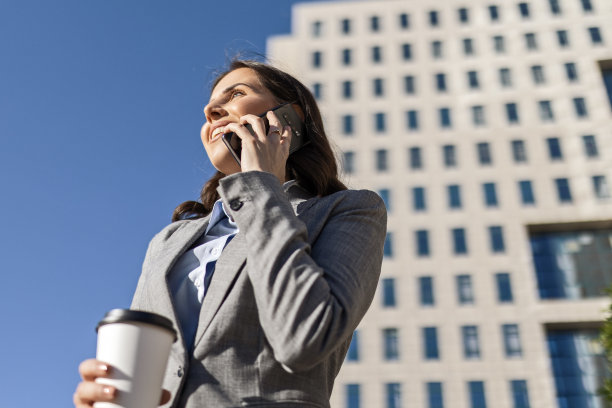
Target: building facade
486,127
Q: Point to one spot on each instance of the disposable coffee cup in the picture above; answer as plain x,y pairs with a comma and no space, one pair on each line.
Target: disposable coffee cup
136,345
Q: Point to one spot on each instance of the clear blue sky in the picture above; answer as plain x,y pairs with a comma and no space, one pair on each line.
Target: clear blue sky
100,111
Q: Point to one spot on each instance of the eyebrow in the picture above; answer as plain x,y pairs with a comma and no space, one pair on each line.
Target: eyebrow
229,88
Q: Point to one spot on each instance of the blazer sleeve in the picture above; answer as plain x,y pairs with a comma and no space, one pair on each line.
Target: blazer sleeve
309,298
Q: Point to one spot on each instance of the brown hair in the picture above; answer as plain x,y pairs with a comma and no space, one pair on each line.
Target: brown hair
313,166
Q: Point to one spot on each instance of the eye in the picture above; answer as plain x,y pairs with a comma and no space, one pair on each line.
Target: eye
235,93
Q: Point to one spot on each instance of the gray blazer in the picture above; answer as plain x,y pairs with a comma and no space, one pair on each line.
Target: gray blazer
286,295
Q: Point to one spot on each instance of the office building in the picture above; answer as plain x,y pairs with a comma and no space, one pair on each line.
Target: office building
486,127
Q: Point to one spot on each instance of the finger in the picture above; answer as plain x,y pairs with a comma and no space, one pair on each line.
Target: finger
88,392
286,138
258,125
276,128
91,369
165,397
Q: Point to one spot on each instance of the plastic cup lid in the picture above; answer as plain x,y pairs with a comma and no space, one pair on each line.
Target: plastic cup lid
136,316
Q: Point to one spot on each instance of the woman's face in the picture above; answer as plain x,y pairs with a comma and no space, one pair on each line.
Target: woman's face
238,93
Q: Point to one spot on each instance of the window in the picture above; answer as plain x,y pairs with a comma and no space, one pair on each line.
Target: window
316,28
353,399
409,84
317,59
394,395
375,23
415,160
388,245
390,341
376,54
590,146
519,151
477,394
348,162
512,341
381,160
473,82
317,90
426,292
385,194
499,44
435,398
571,72
512,113
468,46
580,107
586,5
459,241
471,347
449,155
595,35
524,10
496,237
537,73
345,26
353,350
422,242
347,124
546,112
441,82
436,49
347,56
494,13
380,122
554,148
404,20
412,118
465,294
407,52
430,343
555,8
433,18
347,89
419,202
463,15
530,41
504,287
378,87
454,196
388,298
526,192
478,117
600,187
520,396
505,77
484,153
562,38
563,190
489,193
444,115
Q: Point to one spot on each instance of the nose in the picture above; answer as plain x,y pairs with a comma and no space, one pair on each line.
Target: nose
214,111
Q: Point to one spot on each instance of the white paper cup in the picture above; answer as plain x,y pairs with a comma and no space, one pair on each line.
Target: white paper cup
136,345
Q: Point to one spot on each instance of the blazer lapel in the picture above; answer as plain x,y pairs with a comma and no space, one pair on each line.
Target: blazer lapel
227,268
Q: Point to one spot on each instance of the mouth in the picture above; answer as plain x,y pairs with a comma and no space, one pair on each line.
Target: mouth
217,131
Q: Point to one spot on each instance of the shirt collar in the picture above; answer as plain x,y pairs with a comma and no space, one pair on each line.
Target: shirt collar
218,213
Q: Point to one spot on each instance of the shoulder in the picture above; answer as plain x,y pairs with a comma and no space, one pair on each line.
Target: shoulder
365,202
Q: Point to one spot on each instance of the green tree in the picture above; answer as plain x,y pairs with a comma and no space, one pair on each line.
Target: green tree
606,341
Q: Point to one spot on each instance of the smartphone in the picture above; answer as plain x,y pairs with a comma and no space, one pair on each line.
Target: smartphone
287,117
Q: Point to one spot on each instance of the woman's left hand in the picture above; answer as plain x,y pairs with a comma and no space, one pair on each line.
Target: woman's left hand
261,151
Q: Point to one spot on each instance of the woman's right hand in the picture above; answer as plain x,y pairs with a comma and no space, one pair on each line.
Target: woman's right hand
89,391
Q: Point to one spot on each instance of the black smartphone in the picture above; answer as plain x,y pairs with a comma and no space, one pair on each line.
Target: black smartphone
287,117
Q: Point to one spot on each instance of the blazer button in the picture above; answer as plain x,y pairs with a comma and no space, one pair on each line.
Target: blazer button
179,373
236,204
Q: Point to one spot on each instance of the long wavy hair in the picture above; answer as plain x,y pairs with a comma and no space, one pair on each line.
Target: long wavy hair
313,166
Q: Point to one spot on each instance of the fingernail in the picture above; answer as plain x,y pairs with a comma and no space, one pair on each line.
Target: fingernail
108,391
103,367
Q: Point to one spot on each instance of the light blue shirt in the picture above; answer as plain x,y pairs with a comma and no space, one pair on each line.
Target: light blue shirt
190,276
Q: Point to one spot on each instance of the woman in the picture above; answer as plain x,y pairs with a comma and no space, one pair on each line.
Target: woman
269,321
